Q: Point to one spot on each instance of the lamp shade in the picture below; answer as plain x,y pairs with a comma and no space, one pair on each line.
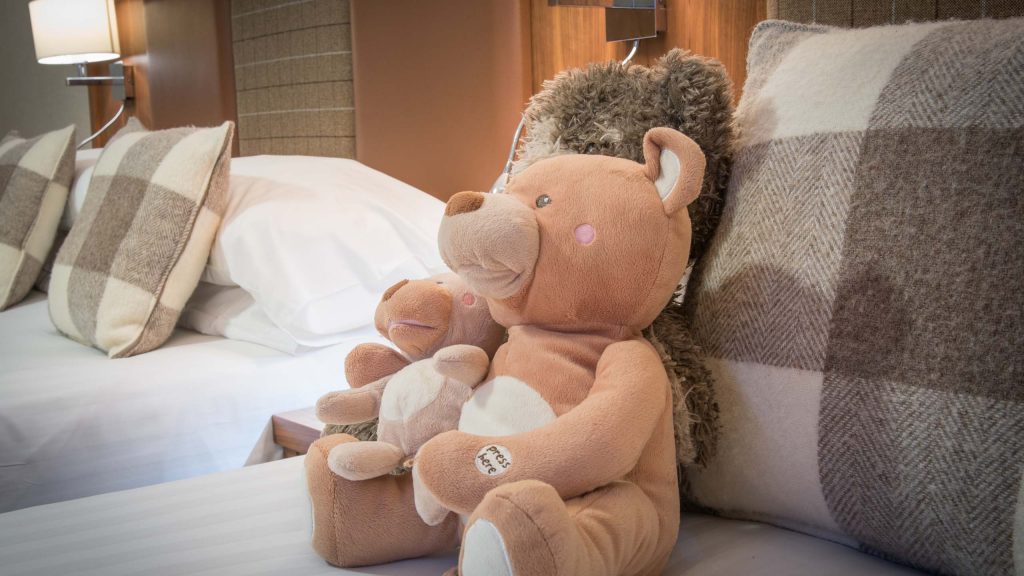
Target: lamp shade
74,31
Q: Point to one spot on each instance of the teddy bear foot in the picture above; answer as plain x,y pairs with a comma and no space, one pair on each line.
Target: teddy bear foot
354,522
511,530
485,551
526,529
364,460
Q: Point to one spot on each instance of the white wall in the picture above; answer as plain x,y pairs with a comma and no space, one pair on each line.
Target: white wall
33,97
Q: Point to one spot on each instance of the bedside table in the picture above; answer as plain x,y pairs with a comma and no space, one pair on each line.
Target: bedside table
296,430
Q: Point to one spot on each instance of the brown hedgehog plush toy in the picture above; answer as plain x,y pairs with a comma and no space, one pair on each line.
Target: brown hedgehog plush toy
606,109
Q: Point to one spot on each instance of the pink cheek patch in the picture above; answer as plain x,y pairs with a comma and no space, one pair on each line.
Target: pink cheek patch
585,234
468,299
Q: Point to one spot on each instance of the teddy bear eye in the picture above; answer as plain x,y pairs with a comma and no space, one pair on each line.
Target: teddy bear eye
543,200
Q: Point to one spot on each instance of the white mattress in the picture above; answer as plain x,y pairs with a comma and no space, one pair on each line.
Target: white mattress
74,423
257,521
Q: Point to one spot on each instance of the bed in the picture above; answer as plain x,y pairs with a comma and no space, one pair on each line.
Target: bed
257,521
75,423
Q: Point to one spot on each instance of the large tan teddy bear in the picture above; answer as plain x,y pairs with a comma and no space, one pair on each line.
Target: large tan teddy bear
607,109
564,460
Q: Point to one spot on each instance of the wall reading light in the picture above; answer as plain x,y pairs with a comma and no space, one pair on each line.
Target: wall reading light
80,32
626,20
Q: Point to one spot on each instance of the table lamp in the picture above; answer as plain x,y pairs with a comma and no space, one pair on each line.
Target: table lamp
80,32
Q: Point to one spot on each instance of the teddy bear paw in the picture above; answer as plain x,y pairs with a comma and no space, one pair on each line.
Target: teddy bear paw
364,460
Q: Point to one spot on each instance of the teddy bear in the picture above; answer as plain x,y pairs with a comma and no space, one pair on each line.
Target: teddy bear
414,404
420,317
606,109
564,459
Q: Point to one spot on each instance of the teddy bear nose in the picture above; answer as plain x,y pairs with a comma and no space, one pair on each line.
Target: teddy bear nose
391,291
494,249
463,203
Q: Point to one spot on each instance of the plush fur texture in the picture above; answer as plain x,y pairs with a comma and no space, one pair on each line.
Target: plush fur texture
418,402
575,304
606,109
420,317
349,542
565,455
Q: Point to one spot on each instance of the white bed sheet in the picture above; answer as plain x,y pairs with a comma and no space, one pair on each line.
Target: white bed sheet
74,423
257,521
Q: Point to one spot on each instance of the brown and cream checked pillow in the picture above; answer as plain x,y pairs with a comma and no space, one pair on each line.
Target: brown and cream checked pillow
136,251
863,299
35,176
81,170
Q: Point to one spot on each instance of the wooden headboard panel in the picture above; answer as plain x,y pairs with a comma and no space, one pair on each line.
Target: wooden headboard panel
282,69
440,85
428,92
293,77
570,37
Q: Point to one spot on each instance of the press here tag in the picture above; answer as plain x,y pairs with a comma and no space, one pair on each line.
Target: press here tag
493,460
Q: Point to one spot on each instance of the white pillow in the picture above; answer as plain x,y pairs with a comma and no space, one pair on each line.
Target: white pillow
86,159
231,312
84,162
316,241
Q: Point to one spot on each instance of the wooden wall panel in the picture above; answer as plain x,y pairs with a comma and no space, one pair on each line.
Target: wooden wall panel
568,37
131,27
184,73
190,65
439,87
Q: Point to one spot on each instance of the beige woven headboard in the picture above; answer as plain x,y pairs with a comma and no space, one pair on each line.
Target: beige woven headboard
858,13
293,77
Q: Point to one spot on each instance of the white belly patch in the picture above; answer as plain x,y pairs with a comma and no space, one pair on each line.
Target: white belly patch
504,406
410,390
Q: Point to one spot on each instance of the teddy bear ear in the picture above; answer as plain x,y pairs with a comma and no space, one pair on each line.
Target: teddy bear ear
675,164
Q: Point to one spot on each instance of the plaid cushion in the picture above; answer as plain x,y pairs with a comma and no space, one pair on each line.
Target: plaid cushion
862,299
43,282
136,251
861,13
35,176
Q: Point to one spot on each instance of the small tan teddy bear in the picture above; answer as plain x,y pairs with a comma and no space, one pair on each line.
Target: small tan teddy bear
416,403
446,336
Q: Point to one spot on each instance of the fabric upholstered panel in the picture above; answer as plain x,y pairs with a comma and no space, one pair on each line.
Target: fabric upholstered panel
293,77
861,301
139,246
861,13
35,176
